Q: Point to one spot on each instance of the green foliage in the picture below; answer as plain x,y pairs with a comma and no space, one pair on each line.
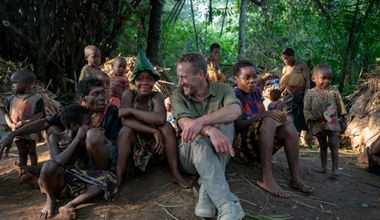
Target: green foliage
179,38
317,30
348,89
317,36
128,39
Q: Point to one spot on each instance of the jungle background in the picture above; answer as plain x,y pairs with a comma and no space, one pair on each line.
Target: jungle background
48,37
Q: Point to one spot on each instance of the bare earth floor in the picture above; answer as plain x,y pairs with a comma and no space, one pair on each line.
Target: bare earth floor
353,195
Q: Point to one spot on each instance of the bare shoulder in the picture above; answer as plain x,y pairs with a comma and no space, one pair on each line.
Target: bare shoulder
56,139
301,64
159,96
159,100
127,98
128,93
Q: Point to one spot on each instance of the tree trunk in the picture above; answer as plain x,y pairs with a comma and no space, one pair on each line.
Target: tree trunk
194,25
242,27
350,47
154,32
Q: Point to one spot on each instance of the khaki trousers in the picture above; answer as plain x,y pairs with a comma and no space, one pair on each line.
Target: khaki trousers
200,157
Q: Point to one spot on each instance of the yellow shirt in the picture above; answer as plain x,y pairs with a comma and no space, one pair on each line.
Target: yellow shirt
294,75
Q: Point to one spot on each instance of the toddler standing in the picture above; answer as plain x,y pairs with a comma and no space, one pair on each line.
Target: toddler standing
118,81
21,108
93,56
324,111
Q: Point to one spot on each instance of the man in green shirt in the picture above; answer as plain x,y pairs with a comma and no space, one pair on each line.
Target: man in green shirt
205,112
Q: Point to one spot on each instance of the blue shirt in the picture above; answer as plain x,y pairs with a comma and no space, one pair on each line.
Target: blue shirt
252,102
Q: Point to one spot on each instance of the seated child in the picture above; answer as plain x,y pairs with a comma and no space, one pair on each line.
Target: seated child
118,81
276,103
21,108
93,56
260,133
66,174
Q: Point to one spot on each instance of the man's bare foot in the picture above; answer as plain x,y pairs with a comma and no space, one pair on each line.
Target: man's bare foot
273,188
48,210
183,183
67,212
301,186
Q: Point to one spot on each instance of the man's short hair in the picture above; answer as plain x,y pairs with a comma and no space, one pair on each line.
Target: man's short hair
288,51
214,46
73,113
85,85
197,61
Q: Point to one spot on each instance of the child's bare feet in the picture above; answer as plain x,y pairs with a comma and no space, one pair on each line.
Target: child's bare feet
25,177
48,210
182,182
272,187
33,170
322,170
301,186
335,173
67,212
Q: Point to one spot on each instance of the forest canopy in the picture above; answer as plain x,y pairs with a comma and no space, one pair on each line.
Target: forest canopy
50,35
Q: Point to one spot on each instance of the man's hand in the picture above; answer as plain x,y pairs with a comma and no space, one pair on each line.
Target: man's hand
191,130
18,124
220,141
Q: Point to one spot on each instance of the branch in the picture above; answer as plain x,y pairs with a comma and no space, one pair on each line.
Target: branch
324,12
258,3
129,6
7,24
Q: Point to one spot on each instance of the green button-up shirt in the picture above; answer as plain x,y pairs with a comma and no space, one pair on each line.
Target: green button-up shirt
219,96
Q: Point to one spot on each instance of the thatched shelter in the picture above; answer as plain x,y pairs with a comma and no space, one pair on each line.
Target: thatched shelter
364,112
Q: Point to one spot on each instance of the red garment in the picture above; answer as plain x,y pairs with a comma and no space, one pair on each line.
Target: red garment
23,107
118,84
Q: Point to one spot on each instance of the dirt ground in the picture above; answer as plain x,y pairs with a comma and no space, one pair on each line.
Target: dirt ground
354,195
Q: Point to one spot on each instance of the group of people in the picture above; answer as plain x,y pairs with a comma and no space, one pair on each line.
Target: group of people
319,110
94,145
98,143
